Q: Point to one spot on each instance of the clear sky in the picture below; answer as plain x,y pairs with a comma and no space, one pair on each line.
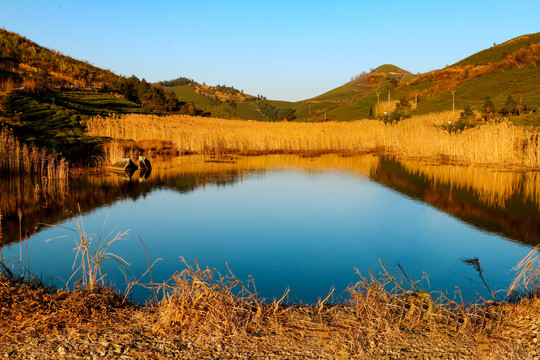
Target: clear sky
284,50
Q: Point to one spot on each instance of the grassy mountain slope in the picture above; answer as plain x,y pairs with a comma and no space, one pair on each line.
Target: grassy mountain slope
25,63
224,106
499,52
511,68
46,97
229,103
523,84
355,99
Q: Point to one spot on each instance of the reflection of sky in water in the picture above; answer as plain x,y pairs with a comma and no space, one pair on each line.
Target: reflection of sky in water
306,231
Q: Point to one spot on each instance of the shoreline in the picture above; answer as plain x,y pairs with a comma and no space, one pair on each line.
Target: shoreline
37,321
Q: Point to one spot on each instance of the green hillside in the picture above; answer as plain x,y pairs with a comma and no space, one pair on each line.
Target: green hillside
355,99
228,109
500,52
523,84
58,120
229,103
46,97
509,69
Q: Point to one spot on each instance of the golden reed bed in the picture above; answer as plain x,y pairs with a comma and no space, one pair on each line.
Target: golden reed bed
492,144
18,158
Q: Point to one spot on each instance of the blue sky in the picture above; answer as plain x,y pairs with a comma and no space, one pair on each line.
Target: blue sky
284,50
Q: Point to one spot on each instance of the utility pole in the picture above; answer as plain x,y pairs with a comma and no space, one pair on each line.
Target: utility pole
377,109
453,91
324,114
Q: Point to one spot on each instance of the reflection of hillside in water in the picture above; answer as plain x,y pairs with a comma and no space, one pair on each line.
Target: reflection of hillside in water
502,202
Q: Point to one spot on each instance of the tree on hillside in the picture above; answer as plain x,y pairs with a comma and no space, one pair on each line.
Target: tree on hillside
181,81
467,113
172,103
488,109
510,107
403,103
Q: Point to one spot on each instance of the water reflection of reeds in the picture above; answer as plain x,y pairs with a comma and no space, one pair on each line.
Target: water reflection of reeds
223,166
504,202
500,202
494,188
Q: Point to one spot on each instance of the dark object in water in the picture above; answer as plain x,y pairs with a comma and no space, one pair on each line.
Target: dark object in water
144,174
124,165
144,163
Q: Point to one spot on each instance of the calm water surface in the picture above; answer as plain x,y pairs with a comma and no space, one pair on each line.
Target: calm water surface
288,222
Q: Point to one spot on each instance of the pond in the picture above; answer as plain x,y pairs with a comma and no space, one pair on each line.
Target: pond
286,222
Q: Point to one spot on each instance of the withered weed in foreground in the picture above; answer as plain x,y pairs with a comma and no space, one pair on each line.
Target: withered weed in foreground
527,282
91,254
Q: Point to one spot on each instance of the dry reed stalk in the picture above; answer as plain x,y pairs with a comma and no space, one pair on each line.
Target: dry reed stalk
421,136
17,158
113,152
527,282
203,302
92,252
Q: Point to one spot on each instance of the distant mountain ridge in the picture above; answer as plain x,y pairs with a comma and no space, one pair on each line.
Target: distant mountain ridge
508,69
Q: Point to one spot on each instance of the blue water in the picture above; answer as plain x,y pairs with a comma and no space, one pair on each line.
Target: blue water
287,229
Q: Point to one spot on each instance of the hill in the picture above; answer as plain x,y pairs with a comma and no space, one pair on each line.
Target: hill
499,52
28,67
46,97
509,69
227,102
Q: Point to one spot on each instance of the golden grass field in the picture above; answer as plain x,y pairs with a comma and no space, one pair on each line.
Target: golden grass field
499,144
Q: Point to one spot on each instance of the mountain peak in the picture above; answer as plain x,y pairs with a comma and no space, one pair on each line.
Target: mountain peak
388,68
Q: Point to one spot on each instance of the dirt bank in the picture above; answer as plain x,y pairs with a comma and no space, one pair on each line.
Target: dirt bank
37,322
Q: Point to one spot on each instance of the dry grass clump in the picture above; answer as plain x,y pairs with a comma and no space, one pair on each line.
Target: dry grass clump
92,254
376,322
18,158
527,282
206,302
399,311
27,306
421,136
